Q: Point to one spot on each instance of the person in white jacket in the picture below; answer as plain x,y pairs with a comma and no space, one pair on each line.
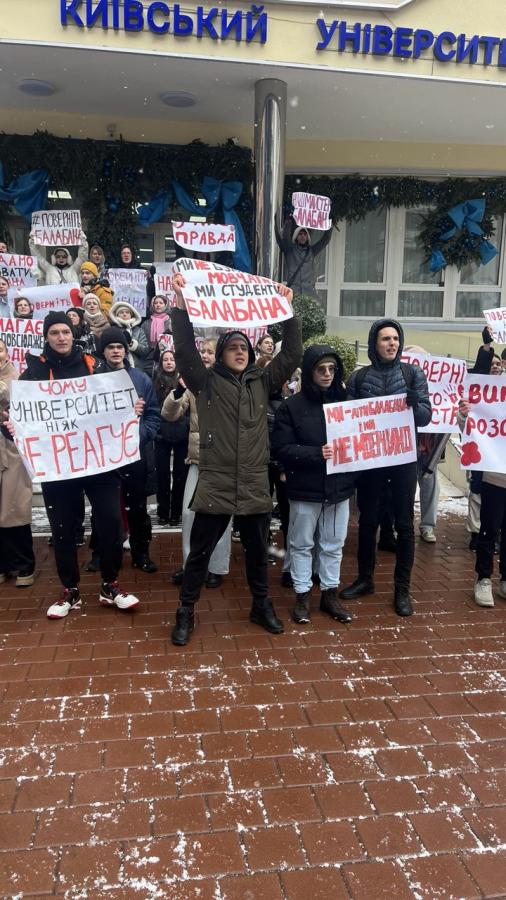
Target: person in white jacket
62,269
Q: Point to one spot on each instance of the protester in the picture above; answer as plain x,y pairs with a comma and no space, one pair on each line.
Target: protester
4,291
171,443
84,337
176,405
3,247
319,503
114,347
62,359
159,318
128,258
23,309
126,317
300,255
16,544
97,256
265,347
94,317
388,376
62,269
92,284
231,400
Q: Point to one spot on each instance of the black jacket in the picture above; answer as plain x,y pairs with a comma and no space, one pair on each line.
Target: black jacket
53,365
300,432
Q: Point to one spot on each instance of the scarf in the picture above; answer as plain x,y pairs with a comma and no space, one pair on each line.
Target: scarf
158,321
97,321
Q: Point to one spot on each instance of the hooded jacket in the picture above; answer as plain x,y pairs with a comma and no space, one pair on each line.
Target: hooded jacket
138,345
300,432
383,378
299,261
232,414
51,273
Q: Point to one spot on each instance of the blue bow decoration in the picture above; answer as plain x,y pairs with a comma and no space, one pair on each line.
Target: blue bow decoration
27,193
214,192
466,217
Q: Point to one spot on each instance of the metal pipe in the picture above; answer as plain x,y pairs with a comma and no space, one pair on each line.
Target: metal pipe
270,139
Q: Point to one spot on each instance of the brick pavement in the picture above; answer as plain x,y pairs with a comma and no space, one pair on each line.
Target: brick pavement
334,761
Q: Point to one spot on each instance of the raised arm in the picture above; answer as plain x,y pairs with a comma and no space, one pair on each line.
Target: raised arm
188,361
290,355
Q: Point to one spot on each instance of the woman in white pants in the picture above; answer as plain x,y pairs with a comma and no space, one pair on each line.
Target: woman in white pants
175,406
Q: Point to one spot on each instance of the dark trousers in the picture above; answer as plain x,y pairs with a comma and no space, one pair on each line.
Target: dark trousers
170,498
279,486
133,486
16,550
493,521
205,534
386,510
62,499
370,488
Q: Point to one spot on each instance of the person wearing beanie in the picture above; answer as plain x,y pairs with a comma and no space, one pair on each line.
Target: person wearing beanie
91,284
114,350
299,256
384,377
63,360
319,503
62,269
23,309
94,316
126,317
232,397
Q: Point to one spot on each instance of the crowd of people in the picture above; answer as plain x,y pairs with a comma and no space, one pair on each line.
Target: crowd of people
228,432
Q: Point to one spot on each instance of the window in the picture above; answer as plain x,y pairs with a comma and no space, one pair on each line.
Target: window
362,291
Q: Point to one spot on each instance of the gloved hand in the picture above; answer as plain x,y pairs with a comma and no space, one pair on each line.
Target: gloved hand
487,337
412,398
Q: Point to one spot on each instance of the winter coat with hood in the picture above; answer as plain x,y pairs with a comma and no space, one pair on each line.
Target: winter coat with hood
232,412
300,433
51,273
15,483
299,260
175,409
138,345
383,378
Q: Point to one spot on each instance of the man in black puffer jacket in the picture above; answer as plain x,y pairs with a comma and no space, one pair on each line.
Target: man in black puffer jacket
385,376
319,503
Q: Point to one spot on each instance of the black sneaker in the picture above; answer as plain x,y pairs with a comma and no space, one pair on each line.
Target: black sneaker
185,624
359,588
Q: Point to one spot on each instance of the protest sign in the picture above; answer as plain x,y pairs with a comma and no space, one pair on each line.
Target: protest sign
20,271
166,342
129,285
484,435
163,282
77,427
50,297
57,228
21,336
496,318
311,211
443,374
370,433
225,298
204,238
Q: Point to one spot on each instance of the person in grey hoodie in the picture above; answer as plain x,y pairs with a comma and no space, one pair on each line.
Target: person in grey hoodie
300,255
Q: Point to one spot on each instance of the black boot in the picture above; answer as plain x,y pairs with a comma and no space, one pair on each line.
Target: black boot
330,605
300,612
93,564
143,562
262,613
402,601
213,580
177,576
185,623
360,586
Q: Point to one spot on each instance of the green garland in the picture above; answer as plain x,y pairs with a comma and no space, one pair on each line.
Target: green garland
353,197
107,179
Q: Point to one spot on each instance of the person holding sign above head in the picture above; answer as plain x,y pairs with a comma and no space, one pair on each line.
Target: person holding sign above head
319,502
232,397
62,269
61,360
300,254
387,376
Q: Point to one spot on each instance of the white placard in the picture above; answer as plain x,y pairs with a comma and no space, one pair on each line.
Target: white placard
225,298
57,228
311,211
484,435
496,318
444,374
368,434
163,282
48,298
21,336
20,271
204,238
129,285
76,427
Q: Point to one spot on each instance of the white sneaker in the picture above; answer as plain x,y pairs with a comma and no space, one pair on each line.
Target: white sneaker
483,592
111,595
70,599
427,535
501,590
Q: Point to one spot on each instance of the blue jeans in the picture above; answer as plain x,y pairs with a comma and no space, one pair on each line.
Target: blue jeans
329,526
